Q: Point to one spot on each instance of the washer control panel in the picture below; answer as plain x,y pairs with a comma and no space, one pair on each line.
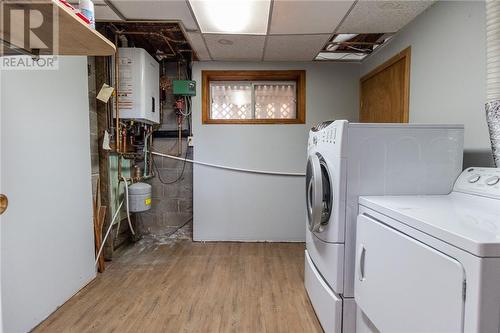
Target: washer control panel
323,133
328,135
480,181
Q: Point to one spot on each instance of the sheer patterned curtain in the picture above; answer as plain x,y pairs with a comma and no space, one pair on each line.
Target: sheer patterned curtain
231,101
275,101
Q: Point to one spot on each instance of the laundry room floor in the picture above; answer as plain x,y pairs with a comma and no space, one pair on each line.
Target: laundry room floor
188,286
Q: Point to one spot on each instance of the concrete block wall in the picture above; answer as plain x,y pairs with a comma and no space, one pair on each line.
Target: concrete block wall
94,133
100,158
172,204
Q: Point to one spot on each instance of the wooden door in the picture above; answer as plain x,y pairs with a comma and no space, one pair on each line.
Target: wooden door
385,91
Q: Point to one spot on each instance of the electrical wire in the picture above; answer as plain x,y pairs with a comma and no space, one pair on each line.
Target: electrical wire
185,159
218,166
180,227
190,130
358,49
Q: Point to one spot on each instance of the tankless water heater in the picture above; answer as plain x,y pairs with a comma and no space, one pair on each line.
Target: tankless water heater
139,85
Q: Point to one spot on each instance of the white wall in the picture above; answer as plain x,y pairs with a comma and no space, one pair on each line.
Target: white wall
448,70
246,207
47,244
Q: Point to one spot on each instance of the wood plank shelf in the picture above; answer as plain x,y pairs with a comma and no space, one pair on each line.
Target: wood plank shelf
75,37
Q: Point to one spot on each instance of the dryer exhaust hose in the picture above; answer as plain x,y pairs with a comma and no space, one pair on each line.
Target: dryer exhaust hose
493,76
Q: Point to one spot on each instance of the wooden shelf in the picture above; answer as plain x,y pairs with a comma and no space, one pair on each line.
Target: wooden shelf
75,36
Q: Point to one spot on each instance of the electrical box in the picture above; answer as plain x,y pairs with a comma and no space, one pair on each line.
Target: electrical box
139,85
184,87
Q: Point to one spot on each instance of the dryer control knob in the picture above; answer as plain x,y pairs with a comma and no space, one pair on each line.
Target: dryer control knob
474,178
492,180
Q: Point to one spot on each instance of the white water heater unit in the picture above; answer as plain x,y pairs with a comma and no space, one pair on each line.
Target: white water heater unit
139,85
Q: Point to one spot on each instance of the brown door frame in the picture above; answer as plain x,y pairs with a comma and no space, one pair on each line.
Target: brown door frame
406,55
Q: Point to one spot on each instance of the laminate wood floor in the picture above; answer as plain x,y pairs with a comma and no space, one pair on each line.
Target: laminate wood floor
194,287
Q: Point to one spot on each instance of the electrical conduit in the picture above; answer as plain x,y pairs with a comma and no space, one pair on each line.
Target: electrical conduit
261,172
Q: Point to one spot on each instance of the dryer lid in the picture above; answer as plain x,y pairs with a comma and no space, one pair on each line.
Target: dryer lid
466,221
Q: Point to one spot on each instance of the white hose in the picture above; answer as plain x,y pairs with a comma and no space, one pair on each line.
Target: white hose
127,206
261,172
107,233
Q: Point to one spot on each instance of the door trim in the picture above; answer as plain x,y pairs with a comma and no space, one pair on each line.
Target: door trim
406,56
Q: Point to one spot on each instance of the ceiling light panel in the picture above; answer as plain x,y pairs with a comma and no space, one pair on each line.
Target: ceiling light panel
164,10
340,56
369,16
235,47
232,16
307,17
294,47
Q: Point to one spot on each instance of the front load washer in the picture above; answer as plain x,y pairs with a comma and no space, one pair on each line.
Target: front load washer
346,160
431,263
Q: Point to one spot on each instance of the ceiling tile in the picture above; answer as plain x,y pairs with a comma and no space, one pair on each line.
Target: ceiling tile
307,17
104,13
370,16
235,47
198,45
294,47
174,10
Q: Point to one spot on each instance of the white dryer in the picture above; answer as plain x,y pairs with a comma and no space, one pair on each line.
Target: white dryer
346,160
431,263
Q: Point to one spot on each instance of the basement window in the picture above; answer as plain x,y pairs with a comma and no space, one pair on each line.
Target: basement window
253,97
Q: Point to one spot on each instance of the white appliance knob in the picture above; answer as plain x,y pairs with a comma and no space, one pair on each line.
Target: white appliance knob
474,179
492,180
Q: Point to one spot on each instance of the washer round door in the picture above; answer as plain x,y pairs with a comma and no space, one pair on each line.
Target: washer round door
319,194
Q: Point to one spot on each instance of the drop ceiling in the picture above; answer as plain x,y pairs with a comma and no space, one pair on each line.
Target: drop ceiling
296,30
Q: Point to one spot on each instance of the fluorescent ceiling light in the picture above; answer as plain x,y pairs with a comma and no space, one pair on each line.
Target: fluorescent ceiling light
340,56
354,56
344,37
232,16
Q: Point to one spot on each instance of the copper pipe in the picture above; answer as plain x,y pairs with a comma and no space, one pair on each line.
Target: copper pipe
178,41
179,142
150,159
168,44
117,109
165,38
119,166
124,140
